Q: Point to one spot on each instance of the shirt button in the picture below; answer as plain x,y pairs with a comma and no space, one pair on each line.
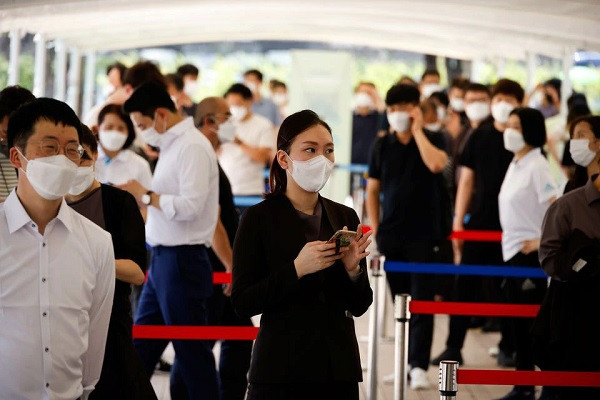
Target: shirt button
47,384
44,314
44,280
46,349
43,244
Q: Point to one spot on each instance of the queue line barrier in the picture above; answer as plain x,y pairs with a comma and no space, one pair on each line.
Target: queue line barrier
451,269
172,332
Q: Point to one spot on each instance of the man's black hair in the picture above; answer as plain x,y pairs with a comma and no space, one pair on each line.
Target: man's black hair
241,89
88,138
402,94
477,87
21,124
175,80
142,72
442,97
11,98
431,71
188,69
147,98
256,73
510,88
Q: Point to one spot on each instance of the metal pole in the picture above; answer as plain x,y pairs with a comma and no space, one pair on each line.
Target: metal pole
402,315
376,262
60,70
531,65
566,86
39,75
74,90
13,58
448,383
89,82
381,318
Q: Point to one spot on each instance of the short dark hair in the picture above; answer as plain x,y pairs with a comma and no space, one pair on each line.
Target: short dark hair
175,80
510,88
578,110
533,126
442,97
254,72
460,83
121,67
187,69
22,123
147,98
430,71
576,98
141,72
241,89
291,127
592,120
88,138
118,111
402,93
477,87
11,98
278,84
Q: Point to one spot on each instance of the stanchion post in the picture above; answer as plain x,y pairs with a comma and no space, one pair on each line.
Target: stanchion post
376,262
448,383
402,316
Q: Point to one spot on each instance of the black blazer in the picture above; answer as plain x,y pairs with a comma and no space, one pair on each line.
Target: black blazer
307,330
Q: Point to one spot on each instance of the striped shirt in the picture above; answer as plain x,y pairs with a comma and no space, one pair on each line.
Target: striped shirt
8,177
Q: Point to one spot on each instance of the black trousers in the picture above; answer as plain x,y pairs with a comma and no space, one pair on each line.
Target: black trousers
303,391
420,287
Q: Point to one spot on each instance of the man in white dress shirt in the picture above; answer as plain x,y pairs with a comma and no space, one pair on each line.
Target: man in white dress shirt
182,216
57,268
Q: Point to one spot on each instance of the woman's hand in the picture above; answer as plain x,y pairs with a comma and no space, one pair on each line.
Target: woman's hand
316,256
357,251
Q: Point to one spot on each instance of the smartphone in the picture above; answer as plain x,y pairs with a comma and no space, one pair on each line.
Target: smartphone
342,238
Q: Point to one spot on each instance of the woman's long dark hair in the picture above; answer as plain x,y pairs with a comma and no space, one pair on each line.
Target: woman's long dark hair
291,127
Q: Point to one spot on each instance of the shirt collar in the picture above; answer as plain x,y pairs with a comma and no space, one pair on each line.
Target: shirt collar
17,217
122,155
591,193
176,130
527,158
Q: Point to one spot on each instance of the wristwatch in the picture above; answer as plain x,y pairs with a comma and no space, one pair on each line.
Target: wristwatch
147,197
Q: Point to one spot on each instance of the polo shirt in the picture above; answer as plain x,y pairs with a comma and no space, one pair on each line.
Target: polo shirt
364,132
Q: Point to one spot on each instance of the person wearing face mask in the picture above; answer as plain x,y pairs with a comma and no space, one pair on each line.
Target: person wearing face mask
115,211
213,119
182,208
189,73
365,121
406,167
483,164
279,95
430,83
244,158
527,191
11,98
253,80
116,163
582,132
565,332
176,89
57,268
308,290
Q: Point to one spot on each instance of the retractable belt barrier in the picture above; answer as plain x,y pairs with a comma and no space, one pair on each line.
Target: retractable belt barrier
479,270
474,309
172,332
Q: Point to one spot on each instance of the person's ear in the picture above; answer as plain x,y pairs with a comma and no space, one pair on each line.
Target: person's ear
283,159
15,158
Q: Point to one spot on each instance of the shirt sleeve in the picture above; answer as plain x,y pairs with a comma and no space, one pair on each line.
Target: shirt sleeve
468,156
555,232
375,159
195,165
99,316
543,183
145,174
267,137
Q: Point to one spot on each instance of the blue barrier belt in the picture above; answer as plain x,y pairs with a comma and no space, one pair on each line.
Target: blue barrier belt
479,270
246,201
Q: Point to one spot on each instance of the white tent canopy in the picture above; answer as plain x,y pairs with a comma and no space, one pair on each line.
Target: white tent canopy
468,29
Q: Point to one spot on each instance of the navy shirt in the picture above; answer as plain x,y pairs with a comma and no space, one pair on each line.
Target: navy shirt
485,154
364,132
412,194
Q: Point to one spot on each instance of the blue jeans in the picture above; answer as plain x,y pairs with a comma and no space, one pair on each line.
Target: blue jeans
179,283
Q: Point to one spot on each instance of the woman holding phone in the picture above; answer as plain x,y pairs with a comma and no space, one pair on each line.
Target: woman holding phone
307,290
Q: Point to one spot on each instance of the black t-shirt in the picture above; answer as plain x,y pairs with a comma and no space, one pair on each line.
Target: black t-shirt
229,216
485,154
364,132
412,194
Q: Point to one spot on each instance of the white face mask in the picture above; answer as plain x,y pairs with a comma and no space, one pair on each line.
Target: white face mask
311,175
477,111
363,100
580,152
112,140
83,180
434,126
513,140
238,112
399,121
226,131
51,177
190,87
457,104
536,99
280,99
441,113
430,89
501,111
151,135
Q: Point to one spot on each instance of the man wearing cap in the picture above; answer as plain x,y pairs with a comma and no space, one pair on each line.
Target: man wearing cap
182,214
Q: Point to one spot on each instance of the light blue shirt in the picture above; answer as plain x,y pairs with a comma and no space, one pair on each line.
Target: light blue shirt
267,109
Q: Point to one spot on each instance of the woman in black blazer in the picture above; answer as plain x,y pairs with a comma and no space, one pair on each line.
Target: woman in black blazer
307,293
115,211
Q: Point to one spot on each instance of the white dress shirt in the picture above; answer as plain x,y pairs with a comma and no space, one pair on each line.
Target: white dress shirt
246,176
187,179
56,294
125,166
523,201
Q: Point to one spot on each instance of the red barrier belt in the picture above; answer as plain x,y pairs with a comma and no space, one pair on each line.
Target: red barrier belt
195,332
535,378
221,277
477,236
474,309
